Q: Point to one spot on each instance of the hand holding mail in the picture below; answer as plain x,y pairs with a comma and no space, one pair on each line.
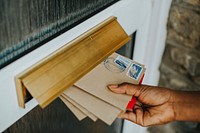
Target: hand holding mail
153,107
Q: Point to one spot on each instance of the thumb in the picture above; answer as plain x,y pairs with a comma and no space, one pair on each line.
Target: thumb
125,88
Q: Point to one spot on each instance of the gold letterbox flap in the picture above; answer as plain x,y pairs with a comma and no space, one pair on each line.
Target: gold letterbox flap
48,78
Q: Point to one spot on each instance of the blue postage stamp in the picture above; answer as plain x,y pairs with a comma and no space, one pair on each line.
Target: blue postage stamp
134,71
122,62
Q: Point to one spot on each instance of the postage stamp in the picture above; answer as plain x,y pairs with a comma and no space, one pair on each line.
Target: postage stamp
122,62
134,71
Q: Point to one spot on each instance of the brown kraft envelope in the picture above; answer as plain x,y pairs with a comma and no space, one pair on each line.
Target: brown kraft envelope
104,111
78,113
78,106
115,69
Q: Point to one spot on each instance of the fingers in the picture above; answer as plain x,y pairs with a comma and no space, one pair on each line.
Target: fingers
139,115
128,116
136,117
125,88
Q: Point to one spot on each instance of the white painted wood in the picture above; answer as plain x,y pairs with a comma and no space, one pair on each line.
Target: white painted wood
150,40
130,14
149,48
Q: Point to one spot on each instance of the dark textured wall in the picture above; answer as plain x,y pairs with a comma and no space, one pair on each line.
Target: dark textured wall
180,67
27,24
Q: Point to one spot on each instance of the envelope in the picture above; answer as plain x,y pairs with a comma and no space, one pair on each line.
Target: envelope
91,94
78,113
116,69
78,107
99,108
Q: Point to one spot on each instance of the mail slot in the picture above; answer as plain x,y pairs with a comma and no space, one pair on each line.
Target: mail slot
52,75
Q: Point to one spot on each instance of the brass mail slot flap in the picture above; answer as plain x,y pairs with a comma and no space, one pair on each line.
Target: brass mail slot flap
47,79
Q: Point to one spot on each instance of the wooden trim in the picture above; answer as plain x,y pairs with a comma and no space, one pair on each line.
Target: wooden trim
65,47
47,79
20,95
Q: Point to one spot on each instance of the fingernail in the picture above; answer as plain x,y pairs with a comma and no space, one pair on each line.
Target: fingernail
112,86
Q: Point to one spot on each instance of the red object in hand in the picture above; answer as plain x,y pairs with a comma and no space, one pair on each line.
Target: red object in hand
131,103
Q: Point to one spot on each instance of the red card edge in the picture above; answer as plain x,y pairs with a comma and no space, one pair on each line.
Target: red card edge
133,100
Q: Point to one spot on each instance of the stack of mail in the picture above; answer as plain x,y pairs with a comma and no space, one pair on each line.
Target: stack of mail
90,97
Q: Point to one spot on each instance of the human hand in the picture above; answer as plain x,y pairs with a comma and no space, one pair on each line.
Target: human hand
154,105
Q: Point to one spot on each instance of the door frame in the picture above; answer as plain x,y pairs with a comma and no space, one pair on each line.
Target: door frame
149,48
